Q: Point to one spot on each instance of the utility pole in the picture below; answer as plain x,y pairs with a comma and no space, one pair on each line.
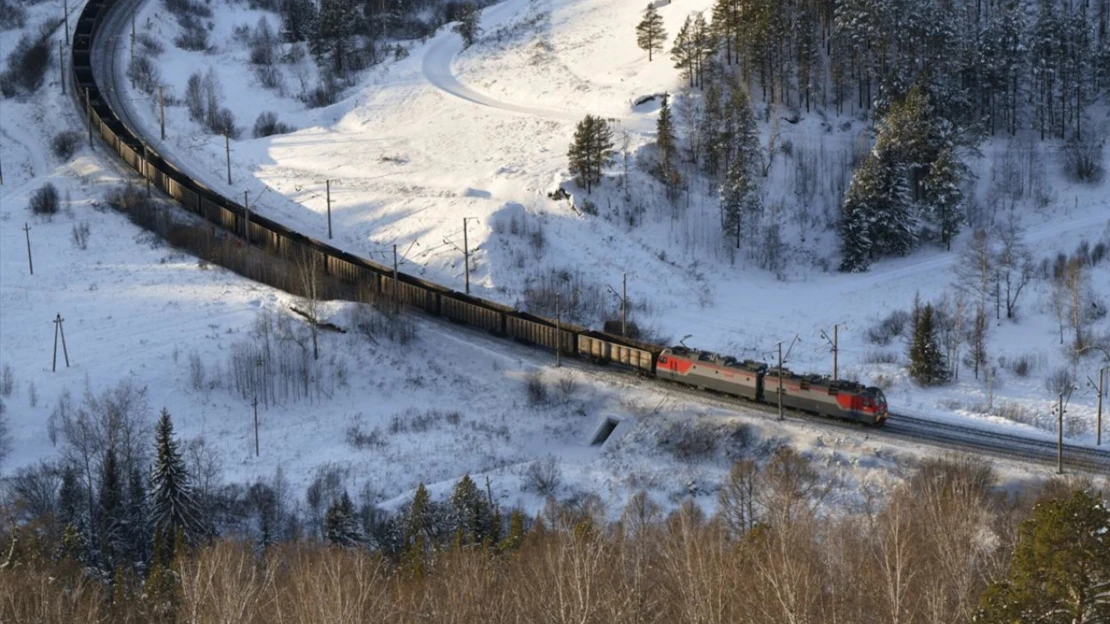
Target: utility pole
1060,434
835,348
62,66
227,148
162,112
27,231
146,161
558,335
328,186
466,252
59,329
65,18
624,304
88,116
1098,420
247,210
254,404
781,417
396,301
130,68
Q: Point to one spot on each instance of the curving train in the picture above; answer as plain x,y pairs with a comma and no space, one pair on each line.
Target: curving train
369,280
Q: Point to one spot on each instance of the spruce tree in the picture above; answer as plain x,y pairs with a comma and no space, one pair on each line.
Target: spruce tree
927,365
944,197
650,35
138,520
468,28
418,531
591,150
668,149
340,525
334,29
173,508
111,511
298,20
470,513
684,53
740,201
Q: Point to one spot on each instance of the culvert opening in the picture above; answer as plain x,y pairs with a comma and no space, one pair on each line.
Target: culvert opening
605,431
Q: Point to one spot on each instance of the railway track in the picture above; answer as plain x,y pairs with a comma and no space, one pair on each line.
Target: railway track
108,20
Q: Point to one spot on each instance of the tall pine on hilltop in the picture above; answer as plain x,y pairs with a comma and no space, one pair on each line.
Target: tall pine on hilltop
650,35
591,150
173,508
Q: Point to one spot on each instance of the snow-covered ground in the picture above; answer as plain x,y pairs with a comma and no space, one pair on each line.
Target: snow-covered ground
417,146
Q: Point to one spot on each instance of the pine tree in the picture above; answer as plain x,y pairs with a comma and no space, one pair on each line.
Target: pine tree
684,53
714,130
138,520
418,532
340,525
650,35
468,28
591,150
740,201
745,146
927,365
668,149
174,509
1060,570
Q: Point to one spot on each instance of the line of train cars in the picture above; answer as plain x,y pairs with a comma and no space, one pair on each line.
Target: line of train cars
746,379
707,371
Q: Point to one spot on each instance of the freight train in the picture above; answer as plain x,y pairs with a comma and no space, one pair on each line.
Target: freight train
368,280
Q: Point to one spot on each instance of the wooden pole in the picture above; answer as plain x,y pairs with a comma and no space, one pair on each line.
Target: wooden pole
328,186
780,382
466,256
624,304
254,404
54,365
27,231
62,329
146,162
836,349
1060,435
62,65
247,223
162,112
65,18
88,116
1098,421
396,301
227,148
558,334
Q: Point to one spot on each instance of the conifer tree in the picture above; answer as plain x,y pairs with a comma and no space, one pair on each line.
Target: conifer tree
340,525
591,150
334,29
739,200
1060,571
418,531
650,34
683,52
468,28
138,520
111,516
927,365
668,149
470,513
944,197
173,509
298,20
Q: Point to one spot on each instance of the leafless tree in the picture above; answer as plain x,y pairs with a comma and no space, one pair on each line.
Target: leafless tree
736,499
975,271
1014,262
308,273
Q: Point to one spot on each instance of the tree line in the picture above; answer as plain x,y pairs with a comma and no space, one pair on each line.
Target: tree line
949,544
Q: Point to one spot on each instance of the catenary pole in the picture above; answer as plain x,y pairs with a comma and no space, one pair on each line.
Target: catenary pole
30,264
781,417
162,112
227,149
328,187
624,304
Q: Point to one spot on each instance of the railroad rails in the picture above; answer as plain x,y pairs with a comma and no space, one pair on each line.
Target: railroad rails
369,281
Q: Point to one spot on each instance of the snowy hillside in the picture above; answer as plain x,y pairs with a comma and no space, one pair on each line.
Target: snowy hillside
444,134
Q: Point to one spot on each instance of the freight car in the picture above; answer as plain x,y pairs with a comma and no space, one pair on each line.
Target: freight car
368,280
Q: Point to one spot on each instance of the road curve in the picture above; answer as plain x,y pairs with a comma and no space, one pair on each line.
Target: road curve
437,67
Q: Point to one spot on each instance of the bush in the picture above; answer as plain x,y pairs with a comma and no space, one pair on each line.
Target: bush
268,76
80,235
7,381
325,94
1083,161
892,326
543,477
45,200
1060,382
64,145
222,122
12,15
1022,365
194,35
359,439
144,73
27,66
152,46
690,441
267,124
535,388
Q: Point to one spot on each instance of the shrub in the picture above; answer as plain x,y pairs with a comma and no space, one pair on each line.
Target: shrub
194,35
80,235
7,381
222,122
152,46
535,388
45,200
267,124
543,477
268,76
325,94
144,73
892,326
27,66
690,441
1083,161
1060,382
359,439
12,15
64,145
1021,365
